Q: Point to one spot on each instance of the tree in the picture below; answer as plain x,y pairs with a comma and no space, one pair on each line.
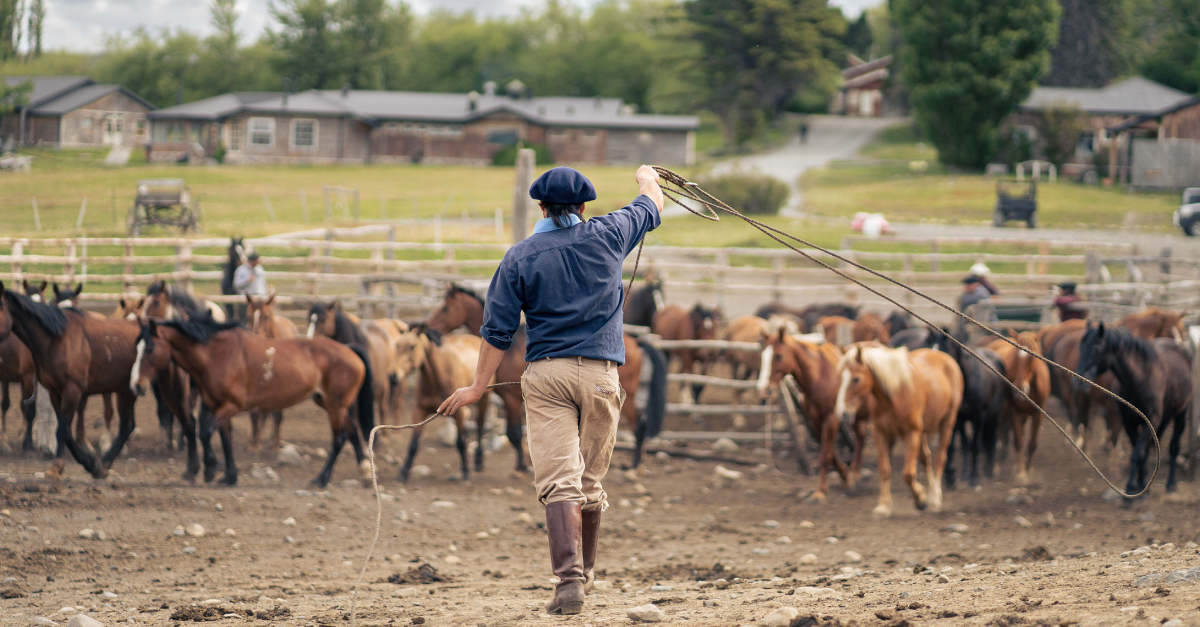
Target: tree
14,96
755,54
968,63
374,33
10,32
1175,60
308,43
858,37
1059,128
37,20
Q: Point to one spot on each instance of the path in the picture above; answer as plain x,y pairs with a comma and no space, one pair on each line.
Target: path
118,156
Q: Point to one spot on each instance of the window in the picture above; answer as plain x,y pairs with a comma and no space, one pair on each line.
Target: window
262,131
236,135
304,133
85,122
503,136
168,131
195,131
141,127
558,133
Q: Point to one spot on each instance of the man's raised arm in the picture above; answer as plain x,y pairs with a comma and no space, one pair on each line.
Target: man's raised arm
647,180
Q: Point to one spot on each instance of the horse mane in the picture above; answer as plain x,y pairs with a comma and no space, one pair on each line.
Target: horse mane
458,289
889,366
201,329
52,319
1122,341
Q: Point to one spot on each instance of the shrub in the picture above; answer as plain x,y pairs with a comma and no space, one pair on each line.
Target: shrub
508,154
749,193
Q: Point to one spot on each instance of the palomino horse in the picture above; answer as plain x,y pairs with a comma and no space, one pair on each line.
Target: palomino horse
910,396
446,363
264,322
642,303
238,371
332,322
676,323
462,307
814,366
1031,376
76,356
402,343
1155,376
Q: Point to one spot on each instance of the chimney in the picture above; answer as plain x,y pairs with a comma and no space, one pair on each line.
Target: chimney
345,90
287,88
472,100
515,89
489,88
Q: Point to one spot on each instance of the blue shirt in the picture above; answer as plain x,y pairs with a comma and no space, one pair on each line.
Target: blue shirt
545,225
568,283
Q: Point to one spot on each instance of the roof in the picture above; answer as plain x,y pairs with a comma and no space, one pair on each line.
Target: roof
1132,96
374,107
862,80
1137,120
859,67
82,96
46,88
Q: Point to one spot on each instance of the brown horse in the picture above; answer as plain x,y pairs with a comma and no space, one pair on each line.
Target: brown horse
331,321
910,396
1154,322
263,321
402,343
171,303
76,356
17,366
238,371
69,297
865,328
1031,376
673,322
814,366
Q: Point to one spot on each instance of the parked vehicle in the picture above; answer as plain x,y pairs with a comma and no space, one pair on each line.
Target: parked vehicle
1187,216
1016,200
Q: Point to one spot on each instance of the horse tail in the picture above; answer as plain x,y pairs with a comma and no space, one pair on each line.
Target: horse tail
656,401
366,394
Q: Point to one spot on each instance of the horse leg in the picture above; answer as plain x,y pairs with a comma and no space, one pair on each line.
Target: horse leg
81,426
514,407
68,402
828,433
960,430
883,446
166,423
208,425
1180,421
914,448
28,408
4,405
223,418
460,442
125,401
945,439
1031,441
256,420
341,431
860,445
107,401
1019,418
414,444
275,435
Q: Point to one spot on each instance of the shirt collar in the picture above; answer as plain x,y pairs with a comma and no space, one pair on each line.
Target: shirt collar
545,225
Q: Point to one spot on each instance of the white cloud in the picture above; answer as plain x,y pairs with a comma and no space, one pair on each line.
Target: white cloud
81,25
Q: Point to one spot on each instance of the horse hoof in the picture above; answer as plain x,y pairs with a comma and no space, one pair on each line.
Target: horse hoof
1022,479
815,497
228,480
882,511
920,505
321,482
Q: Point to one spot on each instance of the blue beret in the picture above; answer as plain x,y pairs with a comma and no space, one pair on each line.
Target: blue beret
563,186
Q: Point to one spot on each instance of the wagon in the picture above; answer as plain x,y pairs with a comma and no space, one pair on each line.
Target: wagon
1016,200
163,202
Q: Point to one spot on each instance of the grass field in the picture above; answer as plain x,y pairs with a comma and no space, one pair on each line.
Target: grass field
882,182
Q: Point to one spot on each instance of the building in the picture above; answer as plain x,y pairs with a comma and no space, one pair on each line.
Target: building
861,91
1101,108
75,111
1163,146
353,126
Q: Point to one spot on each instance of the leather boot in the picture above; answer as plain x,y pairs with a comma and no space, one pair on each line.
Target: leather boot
564,525
591,539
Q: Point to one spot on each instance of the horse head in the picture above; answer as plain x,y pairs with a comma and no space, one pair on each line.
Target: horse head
67,297
855,382
1093,354
128,309
458,308
158,301
152,355
778,359
322,319
260,311
704,321
34,291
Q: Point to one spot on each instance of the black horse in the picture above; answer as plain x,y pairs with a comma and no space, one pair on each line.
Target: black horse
897,321
1155,377
641,304
913,338
231,266
984,396
331,321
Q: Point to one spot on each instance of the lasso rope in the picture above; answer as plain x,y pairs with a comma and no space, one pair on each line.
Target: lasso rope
678,188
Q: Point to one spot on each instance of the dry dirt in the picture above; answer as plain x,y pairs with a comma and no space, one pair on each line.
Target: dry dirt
669,538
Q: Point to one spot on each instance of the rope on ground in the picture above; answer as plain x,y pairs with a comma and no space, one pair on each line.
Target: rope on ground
677,188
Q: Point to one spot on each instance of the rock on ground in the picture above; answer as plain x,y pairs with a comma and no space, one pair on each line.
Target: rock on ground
725,445
781,617
646,613
83,620
289,455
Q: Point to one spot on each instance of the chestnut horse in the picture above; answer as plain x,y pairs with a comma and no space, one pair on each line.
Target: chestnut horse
16,366
814,366
910,396
264,322
676,323
238,371
1031,376
77,355
865,328
69,297
1154,322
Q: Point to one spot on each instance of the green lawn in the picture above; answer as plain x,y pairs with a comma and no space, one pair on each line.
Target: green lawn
881,181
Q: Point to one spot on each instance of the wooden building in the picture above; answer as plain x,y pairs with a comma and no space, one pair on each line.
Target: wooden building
75,111
1162,149
354,126
861,91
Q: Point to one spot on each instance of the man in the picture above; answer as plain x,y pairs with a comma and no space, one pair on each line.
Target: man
1066,301
566,278
250,278
973,292
981,272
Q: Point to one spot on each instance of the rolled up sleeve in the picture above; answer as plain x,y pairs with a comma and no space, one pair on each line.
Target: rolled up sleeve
631,222
502,315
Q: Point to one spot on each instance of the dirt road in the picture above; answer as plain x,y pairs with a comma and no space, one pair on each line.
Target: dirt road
275,551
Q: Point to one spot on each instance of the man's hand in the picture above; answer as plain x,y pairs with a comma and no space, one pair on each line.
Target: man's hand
647,180
461,398
646,174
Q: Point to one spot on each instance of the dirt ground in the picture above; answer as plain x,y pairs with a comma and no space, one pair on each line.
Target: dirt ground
276,551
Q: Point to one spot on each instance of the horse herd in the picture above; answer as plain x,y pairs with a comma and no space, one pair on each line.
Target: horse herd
916,386
892,381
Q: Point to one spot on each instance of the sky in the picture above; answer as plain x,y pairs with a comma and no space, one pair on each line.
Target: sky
81,25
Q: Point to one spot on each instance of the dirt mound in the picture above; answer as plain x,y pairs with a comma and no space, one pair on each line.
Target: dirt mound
198,614
686,571
423,574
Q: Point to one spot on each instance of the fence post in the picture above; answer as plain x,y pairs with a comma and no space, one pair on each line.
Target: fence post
792,414
520,225
499,223
328,207
777,266
935,263
304,204
1092,267
1044,251
18,268
722,261
314,266
69,264
391,287
184,266
83,258
328,251
127,280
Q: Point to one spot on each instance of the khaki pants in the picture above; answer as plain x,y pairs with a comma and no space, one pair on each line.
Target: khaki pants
572,407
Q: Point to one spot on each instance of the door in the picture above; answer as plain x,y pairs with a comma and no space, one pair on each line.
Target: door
114,129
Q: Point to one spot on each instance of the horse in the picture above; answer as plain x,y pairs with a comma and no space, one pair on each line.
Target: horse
811,314
643,302
76,356
17,366
814,367
332,322
897,321
1155,376
264,322
676,323
983,399
236,370
170,303
402,342
463,307
1154,322
865,328
910,396
128,309
1031,376
746,365
236,252
913,338
35,291
446,364
67,296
